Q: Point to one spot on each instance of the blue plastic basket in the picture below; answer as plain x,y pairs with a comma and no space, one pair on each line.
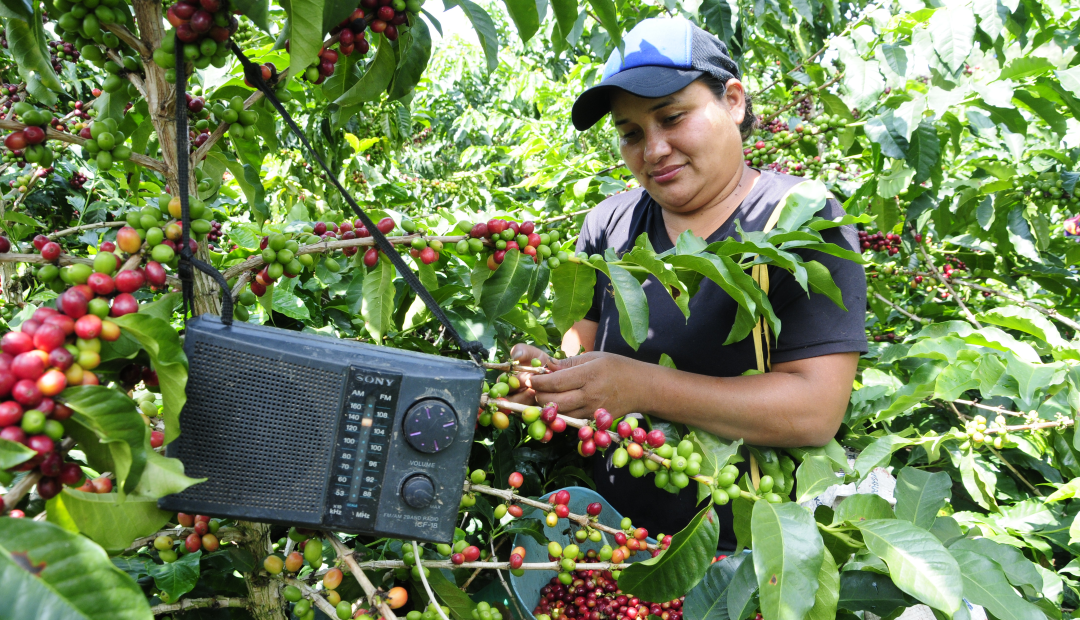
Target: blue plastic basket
527,587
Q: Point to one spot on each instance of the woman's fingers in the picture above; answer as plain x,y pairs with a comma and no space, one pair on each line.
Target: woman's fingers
524,353
570,378
571,403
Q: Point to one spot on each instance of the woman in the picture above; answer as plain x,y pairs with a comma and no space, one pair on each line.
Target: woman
682,115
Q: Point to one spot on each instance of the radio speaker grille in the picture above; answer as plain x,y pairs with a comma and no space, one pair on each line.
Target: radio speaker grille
288,413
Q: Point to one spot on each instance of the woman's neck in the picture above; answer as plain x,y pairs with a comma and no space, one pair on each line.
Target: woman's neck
705,221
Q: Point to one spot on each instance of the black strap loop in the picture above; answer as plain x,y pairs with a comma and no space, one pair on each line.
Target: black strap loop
253,73
187,258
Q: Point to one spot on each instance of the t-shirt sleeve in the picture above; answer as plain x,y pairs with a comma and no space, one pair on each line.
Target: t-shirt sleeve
813,325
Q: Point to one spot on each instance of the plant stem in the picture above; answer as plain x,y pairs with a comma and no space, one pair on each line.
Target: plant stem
346,554
423,579
934,270
898,308
310,592
199,603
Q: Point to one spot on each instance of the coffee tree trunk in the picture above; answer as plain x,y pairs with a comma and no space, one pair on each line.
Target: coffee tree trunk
263,598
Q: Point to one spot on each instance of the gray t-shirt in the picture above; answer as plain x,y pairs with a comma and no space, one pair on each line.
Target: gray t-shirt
811,325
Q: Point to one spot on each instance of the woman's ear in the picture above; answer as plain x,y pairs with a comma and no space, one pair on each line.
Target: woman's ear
735,99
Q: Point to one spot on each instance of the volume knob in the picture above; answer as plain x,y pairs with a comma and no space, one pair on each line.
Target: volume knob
418,491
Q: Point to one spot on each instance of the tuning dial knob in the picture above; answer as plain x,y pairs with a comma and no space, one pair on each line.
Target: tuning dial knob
418,491
430,426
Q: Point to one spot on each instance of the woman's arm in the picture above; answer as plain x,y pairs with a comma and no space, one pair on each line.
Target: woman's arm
800,403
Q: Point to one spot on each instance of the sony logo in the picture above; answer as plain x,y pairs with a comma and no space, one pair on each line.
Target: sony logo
372,380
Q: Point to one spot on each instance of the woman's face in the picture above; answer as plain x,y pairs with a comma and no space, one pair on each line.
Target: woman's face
684,148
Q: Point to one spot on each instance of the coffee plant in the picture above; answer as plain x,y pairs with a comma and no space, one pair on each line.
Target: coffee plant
947,129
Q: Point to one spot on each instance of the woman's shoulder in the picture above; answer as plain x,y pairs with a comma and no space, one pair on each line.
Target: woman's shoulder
612,221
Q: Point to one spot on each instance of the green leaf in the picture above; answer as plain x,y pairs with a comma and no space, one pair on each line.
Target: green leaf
985,584
572,286
258,11
717,15
918,563
1025,320
166,352
741,591
47,573
952,29
788,553
867,591
828,593
896,57
485,29
680,567
878,453
708,600
378,306
18,9
863,507
920,495
715,451
163,476
645,257
1070,79
507,284
108,416
814,475
525,17
885,130
1020,571
532,528
375,80
1025,66
12,454
286,302
631,302
609,19
736,283
179,577
305,34
566,13
924,151
109,522
821,281
800,204
460,604
19,218
412,66
27,45
162,307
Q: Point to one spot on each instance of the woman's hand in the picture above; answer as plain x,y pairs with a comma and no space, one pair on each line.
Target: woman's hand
524,354
584,383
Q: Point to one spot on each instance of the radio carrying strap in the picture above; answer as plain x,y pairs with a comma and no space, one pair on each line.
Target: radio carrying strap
253,73
762,350
187,258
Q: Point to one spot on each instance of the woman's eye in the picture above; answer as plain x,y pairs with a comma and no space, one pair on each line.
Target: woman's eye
672,118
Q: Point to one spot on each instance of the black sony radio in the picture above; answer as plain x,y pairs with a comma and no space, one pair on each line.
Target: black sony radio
323,433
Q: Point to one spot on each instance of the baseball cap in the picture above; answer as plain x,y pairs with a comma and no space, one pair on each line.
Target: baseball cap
660,56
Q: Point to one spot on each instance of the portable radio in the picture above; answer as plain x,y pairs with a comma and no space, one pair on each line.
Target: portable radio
323,433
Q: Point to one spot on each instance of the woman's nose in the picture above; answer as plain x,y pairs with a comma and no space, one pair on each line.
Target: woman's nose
656,148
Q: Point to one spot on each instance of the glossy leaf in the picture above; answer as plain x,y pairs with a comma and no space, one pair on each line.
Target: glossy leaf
378,306
572,285
680,567
920,495
484,27
47,573
460,604
179,577
863,507
566,13
12,454
862,590
923,151
709,599
828,593
104,519
1020,571
373,83
788,552
525,17
506,285
412,66
162,344
814,475
742,592
917,562
609,19
631,302
27,44
305,33
985,584
110,431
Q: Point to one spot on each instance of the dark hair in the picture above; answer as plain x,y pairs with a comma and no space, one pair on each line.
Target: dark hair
719,89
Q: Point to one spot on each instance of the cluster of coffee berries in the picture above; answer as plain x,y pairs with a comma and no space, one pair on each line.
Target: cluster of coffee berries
952,264
163,231
62,51
78,180
431,612
426,251
977,431
503,236
593,437
53,349
214,236
101,484
203,537
350,34
29,142
116,80
105,143
595,595
241,122
879,242
483,611
323,65
203,28
82,22
281,254
1048,189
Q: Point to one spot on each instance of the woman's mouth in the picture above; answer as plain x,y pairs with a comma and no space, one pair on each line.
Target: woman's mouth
664,175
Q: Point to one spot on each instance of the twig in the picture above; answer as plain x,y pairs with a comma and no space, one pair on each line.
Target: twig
219,131
225,534
1034,426
1049,312
310,592
129,37
506,586
241,282
64,260
937,274
1014,471
998,409
51,134
255,261
801,99
565,216
899,309
76,229
392,564
219,602
22,487
465,586
515,367
615,439
199,603
423,579
369,589
131,76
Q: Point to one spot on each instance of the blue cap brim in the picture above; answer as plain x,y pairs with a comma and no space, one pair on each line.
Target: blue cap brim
650,82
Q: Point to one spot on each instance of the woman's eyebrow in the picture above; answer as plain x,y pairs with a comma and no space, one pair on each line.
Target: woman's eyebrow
662,104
